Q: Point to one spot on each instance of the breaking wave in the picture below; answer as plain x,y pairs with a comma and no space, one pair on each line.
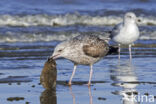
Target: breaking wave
32,28
67,19
59,36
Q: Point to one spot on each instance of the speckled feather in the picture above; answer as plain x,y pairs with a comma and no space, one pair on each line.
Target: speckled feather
83,49
87,49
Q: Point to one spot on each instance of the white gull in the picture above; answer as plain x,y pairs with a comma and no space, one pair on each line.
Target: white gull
126,32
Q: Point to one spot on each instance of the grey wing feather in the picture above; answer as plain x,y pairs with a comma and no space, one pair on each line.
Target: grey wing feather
116,30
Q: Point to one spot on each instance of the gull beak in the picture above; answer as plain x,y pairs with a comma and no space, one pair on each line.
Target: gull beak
55,56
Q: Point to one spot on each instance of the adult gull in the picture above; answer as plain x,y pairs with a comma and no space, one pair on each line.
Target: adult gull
126,32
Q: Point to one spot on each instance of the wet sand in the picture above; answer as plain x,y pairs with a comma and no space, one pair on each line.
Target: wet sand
20,71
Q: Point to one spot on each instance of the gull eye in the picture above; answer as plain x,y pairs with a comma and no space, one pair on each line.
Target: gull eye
129,16
60,50
139,20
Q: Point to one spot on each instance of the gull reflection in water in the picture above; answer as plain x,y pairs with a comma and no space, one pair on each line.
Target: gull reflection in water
74,98
48,96
124,76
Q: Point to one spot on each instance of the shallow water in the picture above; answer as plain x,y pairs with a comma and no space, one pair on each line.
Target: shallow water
30,29
21,65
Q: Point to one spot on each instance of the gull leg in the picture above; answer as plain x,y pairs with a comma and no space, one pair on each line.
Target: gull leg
130,54
73,73
90,75
119,51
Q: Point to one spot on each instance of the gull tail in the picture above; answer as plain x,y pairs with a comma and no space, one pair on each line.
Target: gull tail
112,50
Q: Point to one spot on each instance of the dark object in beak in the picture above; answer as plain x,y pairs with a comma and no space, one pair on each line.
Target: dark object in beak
49,74
50,59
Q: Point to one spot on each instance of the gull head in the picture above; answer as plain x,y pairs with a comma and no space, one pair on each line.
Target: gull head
62,50
130,17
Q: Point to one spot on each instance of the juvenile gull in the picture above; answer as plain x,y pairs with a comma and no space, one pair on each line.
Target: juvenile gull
126,32
83,49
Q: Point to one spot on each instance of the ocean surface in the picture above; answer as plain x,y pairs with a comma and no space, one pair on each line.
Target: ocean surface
30,30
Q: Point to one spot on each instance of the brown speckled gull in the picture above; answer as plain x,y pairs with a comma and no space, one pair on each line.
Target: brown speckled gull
83,49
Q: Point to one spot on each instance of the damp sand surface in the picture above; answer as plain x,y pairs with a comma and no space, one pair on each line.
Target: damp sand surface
20,70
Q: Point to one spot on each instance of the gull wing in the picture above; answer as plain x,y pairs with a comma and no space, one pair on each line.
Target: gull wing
97,48
116,30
